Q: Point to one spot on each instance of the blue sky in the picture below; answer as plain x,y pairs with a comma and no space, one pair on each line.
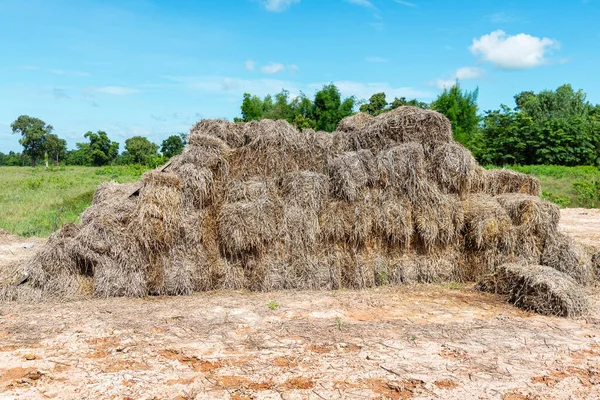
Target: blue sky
154,67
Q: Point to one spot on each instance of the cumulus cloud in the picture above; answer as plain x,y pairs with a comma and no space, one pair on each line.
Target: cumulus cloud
278,5
249,64
116,90
461,74
520,51
272,68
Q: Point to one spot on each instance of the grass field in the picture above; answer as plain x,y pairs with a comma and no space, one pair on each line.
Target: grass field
34,202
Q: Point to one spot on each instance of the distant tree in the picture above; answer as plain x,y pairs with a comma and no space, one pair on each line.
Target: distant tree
376,104
140,150
101,150
460,107
550,127
33,133
252,108
399,102
173,145
56,148
329,109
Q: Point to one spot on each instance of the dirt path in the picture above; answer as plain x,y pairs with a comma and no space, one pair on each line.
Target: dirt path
433,342
582,223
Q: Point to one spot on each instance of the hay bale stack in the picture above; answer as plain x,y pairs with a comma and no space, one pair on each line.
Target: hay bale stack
501,181
537,288
264,206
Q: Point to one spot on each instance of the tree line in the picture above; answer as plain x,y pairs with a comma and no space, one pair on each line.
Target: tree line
39,142
558,127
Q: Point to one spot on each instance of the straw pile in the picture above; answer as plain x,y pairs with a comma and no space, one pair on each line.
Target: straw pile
262,206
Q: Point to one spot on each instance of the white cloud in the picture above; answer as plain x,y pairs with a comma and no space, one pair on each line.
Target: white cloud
30,67
461,74
272,68
405,3
69,73
465,73
278,5
376,59
116,90
363,3
520,51
293,68
249,64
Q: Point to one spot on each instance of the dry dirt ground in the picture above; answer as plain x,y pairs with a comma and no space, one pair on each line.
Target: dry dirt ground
425,341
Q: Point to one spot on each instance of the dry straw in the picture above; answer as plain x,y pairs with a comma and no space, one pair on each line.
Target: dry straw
261,205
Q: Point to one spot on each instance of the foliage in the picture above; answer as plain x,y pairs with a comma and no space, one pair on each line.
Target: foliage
378,104
588,192
56,148
14,159
173,145
33,133
140,150
552,127
460,107
36,201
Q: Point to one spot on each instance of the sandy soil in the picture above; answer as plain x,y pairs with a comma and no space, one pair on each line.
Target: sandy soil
433,342
582,223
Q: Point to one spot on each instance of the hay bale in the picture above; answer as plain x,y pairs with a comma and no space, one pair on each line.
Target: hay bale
453,167
159,209
487,224
396,222
251,189
438,218
198,184
405,124
300,230
276,148
537,288
353,223
229,132
564,254
354,123
479,181
403,167
413,268
533,215
350,172
305,189
501,181
205,152
248,226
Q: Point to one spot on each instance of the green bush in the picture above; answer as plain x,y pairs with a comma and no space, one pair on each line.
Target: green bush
588,192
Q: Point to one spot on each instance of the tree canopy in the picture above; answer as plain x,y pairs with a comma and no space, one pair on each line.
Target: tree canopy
173,145
33,133
140,150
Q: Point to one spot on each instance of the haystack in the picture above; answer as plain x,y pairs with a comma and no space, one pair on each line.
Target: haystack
261,205
537,288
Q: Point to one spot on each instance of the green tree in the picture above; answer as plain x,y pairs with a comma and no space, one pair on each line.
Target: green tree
101,150
399,102
329,109
460,107
376,104
252,108
56,148
551,127
140,150
173,145
33,133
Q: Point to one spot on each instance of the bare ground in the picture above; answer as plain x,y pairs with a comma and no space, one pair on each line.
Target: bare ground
426,341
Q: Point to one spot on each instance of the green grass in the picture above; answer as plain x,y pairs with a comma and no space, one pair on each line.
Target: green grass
35,202
558,183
